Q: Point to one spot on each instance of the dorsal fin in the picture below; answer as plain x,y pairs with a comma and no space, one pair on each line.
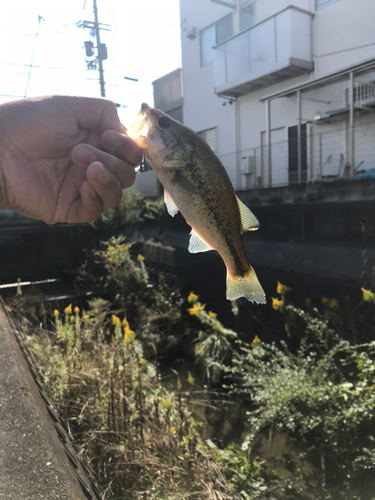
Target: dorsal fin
197,244
171,206
248,220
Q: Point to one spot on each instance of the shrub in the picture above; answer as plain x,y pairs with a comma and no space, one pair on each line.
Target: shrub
139,438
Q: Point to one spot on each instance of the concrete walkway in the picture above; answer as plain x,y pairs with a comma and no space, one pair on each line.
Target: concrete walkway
37,460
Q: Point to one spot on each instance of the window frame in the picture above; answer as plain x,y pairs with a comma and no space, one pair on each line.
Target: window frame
325,4
216,27
215,40
204,63
203,134
241,5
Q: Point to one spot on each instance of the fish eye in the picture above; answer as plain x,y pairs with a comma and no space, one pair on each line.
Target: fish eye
164,122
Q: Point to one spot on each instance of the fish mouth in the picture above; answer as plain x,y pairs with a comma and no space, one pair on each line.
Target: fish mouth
145,120
139,128
145,109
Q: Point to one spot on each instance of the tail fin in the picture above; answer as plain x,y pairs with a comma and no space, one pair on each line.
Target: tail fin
247,286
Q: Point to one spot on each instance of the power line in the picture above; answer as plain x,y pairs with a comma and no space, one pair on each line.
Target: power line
32,56
11,95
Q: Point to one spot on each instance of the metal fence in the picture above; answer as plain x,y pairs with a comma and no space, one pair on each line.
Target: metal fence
324,156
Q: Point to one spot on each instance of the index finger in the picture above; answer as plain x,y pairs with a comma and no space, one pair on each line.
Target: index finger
122,146
93,113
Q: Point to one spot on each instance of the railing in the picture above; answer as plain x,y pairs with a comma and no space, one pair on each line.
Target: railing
324,158
364,94
278,46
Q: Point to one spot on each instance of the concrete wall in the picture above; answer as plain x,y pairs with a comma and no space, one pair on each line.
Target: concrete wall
328,211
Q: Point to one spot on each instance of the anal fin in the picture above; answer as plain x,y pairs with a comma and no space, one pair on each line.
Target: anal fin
248,220
197,244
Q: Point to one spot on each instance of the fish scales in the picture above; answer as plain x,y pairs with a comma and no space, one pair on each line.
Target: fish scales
197,184
224,223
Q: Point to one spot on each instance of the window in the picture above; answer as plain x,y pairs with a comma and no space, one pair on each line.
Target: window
208,40
247,18
209,135
323,3
224,28
213,34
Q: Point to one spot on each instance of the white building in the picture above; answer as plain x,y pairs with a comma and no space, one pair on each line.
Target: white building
283,90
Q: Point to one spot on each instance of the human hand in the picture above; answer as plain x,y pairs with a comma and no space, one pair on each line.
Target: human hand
63,159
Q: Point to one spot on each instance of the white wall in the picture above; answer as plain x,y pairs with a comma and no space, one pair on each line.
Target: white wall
343,34
203,109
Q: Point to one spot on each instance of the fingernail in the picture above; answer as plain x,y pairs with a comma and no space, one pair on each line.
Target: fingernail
103,175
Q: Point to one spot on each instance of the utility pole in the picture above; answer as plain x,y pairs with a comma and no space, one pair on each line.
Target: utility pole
101,48
98,44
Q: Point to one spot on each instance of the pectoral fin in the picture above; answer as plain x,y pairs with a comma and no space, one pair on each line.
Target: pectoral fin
248,220
183,182
171,206
197,244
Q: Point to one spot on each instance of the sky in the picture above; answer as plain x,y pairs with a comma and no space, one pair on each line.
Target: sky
144,43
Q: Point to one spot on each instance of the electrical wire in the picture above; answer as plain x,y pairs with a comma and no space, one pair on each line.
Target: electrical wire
32,60
344,50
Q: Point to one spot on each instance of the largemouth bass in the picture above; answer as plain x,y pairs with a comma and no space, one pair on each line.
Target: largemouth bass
196,184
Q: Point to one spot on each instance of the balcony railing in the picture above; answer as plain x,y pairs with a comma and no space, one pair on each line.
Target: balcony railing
272,51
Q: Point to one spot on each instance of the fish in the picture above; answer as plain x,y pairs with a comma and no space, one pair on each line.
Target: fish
197,185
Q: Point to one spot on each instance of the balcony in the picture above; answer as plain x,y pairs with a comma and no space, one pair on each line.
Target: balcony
277,49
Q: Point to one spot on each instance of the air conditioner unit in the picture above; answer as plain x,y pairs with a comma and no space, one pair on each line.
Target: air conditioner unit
248,165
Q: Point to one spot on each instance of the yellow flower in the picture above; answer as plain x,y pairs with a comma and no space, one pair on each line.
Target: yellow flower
281,289
211,314
68,310
256,340
172,430
190,379
140,258
167,403
129,335
56,313
218,326
71,319
192,297
116,321
368,296
76,310
196,309
143,361
107,332
85,316
277,304
334,304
